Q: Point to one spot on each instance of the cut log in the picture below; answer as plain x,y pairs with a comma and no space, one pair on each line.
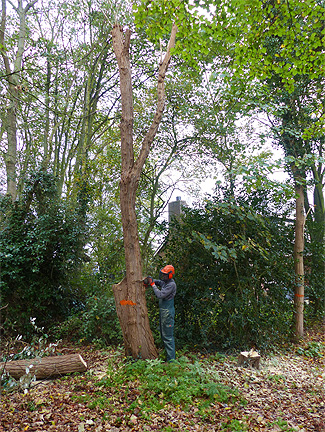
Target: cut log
249,358
46,367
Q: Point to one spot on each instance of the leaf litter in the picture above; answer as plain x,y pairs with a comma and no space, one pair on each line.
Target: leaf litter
285,394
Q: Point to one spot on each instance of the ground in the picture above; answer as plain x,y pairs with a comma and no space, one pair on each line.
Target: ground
285,394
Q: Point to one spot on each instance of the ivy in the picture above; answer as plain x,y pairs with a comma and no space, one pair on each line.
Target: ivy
41,244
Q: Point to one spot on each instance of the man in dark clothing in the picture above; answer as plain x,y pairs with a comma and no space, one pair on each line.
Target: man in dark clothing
166,295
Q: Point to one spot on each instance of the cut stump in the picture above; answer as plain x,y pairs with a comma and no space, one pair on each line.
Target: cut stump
249,358
46,367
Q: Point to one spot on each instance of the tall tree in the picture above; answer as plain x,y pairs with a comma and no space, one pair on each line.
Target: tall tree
282,39
130,292
14,88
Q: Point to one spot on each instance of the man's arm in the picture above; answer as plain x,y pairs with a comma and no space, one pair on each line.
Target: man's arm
166,289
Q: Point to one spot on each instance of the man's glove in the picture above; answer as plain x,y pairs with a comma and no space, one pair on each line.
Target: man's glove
148,281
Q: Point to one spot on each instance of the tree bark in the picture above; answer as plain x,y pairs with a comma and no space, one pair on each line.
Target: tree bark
299,262
46,367
13,91
129,294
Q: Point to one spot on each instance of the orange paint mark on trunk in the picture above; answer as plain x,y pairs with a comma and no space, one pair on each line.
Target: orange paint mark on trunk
127,303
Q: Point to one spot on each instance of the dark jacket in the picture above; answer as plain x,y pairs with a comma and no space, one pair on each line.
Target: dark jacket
167,290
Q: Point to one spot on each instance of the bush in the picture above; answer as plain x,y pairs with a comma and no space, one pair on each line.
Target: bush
234,268
97,323
41,246
314,271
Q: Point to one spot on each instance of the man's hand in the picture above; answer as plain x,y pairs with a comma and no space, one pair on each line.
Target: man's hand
148,281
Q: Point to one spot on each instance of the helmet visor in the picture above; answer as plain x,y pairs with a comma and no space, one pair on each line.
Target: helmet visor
163,276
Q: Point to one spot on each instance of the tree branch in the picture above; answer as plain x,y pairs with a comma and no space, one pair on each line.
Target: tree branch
30,5
148,139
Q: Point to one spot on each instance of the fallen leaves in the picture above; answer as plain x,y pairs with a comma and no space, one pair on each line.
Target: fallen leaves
286,394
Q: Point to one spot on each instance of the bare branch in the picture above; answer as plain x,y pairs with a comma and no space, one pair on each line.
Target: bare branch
30,5
148,139
12,5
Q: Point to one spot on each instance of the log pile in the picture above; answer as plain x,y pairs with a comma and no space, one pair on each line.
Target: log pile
46,367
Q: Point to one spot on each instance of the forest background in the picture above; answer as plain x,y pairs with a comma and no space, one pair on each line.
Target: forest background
241,75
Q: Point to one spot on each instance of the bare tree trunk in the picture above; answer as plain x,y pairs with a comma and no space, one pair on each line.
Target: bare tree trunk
129,294
13,91
11,155
299,262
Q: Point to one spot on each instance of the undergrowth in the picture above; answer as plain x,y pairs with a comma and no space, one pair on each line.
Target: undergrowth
151,385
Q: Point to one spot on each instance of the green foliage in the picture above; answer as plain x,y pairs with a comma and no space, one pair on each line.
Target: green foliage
278,37
283,425
97,323
196,33
234,426
234,271
41,246
313,349
158,384
314,274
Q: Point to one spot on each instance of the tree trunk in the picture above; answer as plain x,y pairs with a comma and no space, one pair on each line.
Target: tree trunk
46,367
13,91
129,294
249,358
11,155
299,262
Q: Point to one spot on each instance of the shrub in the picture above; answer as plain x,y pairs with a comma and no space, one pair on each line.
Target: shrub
41,246
234,268
97,323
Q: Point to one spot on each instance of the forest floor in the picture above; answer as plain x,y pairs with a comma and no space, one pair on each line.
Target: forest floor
285,394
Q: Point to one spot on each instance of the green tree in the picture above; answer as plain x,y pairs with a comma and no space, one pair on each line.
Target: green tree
281,43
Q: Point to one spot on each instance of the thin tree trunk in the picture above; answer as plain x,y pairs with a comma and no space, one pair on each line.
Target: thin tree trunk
299,262
11,155
129,295
47,154
319,196
13,91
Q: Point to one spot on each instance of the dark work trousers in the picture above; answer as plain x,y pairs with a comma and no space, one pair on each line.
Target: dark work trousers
166,321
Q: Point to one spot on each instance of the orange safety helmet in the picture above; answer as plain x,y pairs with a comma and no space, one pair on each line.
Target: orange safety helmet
168,270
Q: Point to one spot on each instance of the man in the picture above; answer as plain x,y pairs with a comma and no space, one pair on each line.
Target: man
166,295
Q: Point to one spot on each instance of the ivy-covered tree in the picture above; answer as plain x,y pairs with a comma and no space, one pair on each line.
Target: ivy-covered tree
282,43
